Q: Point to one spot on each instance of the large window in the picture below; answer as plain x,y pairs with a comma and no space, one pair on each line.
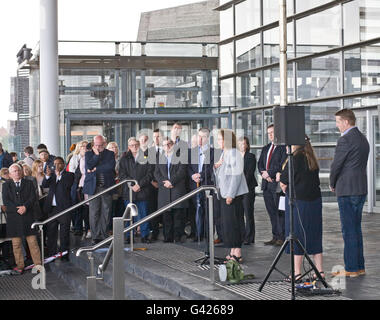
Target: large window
248,53
248,90
318,77
319,32
246,22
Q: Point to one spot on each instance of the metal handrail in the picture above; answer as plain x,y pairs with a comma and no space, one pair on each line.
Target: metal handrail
148,218
41,223
133,212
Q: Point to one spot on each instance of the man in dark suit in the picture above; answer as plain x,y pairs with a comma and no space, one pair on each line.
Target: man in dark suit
134,165
154,154
270,165
100,175
171,186
348,179
58,199
20,200
200,172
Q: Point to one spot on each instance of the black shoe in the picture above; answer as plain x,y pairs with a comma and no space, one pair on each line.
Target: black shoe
145,240
168,240
270,243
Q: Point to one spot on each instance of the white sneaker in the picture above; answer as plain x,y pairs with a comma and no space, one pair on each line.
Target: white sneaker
88,235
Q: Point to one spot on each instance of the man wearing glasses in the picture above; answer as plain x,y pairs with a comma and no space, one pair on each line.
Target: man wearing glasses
171,186
133,165
100,175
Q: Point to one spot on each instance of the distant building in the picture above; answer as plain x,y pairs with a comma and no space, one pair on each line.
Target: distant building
19,103
196,22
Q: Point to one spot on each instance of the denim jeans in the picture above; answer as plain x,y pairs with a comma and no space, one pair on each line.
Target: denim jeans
350,208
142,207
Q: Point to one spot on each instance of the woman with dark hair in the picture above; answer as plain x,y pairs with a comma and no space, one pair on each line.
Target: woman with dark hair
230,180
307,212
248,198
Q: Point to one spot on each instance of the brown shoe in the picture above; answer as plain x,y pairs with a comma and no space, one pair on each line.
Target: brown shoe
345,273
279,243
270,243
217,241
361,272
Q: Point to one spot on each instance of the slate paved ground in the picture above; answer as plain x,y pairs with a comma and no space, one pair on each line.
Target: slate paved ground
257,259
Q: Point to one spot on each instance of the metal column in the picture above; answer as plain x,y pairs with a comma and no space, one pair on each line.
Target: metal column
118,277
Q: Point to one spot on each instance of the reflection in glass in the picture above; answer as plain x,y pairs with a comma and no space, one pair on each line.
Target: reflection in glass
248,53
352,71
272,85
244,21
271,10
320,121
318,77
248,90
325,156
227,92
272,47
351,22
369,19
250,122
318,32
226,24
226,64
302,5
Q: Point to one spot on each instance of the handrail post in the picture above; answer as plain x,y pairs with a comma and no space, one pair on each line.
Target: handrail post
91,279
43,253
211,234
118,278
130,214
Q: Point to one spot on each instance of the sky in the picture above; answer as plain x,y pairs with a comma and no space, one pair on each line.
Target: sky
101,20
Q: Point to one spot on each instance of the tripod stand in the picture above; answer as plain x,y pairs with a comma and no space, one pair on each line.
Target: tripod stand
291,239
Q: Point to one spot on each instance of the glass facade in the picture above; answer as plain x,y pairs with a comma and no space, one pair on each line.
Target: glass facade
333,52
105,90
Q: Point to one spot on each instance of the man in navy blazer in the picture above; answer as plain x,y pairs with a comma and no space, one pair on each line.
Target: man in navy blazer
58,199
100,175
270,165
348,179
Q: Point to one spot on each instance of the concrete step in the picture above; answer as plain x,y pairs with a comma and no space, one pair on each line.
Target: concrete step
170,283
75,273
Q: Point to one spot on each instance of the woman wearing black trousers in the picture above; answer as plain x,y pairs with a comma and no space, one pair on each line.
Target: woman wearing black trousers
248,198
230,180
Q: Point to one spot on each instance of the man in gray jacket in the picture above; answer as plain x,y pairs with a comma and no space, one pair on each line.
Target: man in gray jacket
348,179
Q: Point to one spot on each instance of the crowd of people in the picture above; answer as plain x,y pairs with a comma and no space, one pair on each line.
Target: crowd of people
37,188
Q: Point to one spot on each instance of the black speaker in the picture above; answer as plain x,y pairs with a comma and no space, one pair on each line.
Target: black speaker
289,125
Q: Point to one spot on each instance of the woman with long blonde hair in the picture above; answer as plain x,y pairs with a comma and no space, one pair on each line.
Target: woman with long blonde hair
307,212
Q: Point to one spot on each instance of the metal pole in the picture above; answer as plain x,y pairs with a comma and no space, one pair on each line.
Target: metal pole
130,214
43,255
91,280
211,235
283,55
118,259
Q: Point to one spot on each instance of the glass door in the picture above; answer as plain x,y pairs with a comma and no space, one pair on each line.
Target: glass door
368,123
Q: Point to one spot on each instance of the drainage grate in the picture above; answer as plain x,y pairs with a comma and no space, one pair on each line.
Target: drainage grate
19,287
276,290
